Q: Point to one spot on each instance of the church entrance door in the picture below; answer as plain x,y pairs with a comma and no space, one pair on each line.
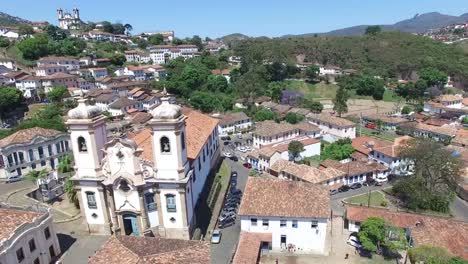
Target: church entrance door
130,225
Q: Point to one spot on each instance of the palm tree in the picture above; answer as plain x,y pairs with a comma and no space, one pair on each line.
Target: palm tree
69,188
36,175
64,165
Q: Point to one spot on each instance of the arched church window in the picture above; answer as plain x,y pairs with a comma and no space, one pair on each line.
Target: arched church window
82,145
165,145
183,140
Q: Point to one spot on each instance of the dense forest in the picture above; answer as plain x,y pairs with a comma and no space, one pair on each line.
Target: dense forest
386,54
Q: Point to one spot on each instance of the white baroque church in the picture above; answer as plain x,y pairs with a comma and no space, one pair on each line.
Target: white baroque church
148,182
68,21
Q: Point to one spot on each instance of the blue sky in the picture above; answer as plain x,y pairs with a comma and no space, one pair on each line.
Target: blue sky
216,18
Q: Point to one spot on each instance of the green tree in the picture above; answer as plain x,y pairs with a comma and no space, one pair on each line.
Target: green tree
315,107
118,28
35,175
57,94
65,164
70,190
430,254
252,84
107,27
337,151
436,174
25,30
275,91
368,85
156,39
295,148
372,233
264,114
293,118
4,42
197,41
34,48
312,72
373,30
340,104
10,98
128,29
55,32
433,77
203,101
118,59
406,110
277,71
216,83
465,120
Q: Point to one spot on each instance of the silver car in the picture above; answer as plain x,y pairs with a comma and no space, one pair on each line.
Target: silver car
216,236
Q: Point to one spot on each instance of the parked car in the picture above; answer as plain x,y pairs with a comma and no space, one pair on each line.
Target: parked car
234,174
369,182
226,143
344,188
225,138
247,165
356,185
226,223
227,154
216,236
236,192
14,179
354,241
378,183
234,158
226,215
333,192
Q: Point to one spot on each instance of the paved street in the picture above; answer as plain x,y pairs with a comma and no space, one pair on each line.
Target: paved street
222,252
459,209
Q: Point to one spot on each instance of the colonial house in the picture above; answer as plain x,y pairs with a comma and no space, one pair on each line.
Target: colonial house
98,35
58,79
363,145
438,105
161,54
120,106
31,149
148,183
428,131
287,170
95,73
269,132
143,73
137,56
29,85
386,122
359,171
9,33
11,77
297,222
145,97
28,236
333,127
68,62
390,157
234,122
421,229
9,64
151,250
46,70
311,147
262,159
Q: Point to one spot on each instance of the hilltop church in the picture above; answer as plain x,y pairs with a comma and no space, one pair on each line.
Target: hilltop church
68,21
150,181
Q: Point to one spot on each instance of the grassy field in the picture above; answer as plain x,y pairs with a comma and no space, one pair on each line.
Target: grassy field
376,199
364,131
328,91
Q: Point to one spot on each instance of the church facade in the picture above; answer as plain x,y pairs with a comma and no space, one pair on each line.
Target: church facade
69,21
148,182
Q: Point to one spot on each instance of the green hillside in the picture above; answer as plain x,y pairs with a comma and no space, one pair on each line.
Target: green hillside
389,54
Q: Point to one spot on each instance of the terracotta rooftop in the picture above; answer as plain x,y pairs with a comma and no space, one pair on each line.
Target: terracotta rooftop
461,138
330,119
357,167
447,131
232,118
141,117
27,135
365,144
306,173
298,110
265,152
283,146
151,250
198,130
465,101
248,248
261,199
449,98
59,75
221,72
122,102
13,219
271,128
425,230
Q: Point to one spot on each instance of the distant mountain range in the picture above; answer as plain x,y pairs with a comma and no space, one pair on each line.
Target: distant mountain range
8,20
417,24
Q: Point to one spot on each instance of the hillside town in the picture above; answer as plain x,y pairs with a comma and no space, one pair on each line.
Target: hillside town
123,147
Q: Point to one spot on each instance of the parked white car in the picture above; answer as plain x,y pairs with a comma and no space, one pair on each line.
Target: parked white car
216,236
227,154
354,241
